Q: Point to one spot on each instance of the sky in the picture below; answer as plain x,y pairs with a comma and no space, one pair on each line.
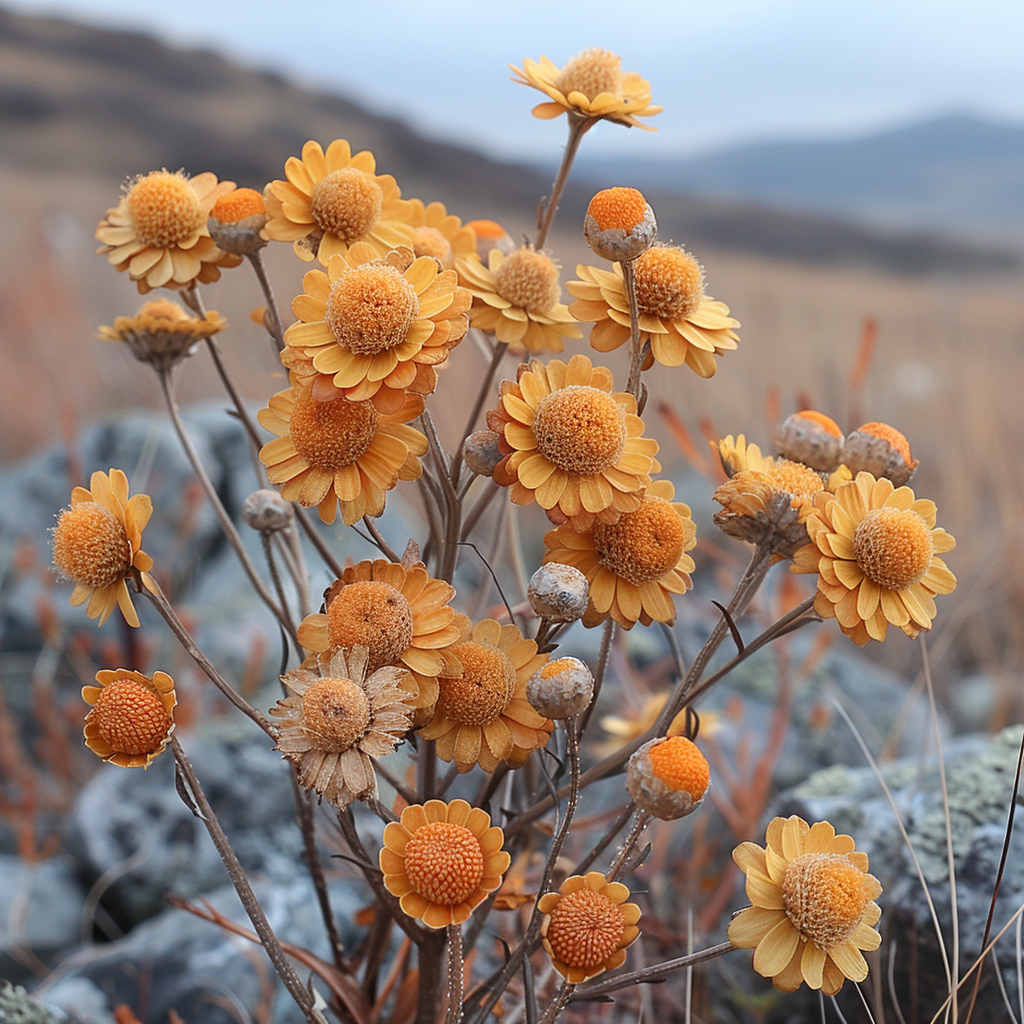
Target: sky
727,72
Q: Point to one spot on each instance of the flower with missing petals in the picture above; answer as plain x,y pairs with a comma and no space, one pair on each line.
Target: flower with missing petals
96,544
757,510
880,450
619,224
162,333
587,926
132,716
442,860
592,86
813,906
668,777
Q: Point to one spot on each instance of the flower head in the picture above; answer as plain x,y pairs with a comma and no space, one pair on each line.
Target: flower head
587,926
757,509
442,860
158,232
516,296
813,906
131,718
874,548
619,224
162,333
339,453
375,329
338,717
96,544
811,438
592,85
438,233
482,715
681,322
668,777
634,565
237,220
558,593
880,450
561,689
333,200
573,445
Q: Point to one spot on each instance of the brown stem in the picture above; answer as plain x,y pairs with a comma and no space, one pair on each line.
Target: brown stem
617,868
317,541
275,577
636,350
431,964
578,127
455,975
657,972
276,330
453,507
607,635
555,1009
485,386
379,540
478,509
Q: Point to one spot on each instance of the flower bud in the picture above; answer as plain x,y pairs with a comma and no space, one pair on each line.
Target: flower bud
811,438
267,511
559,593
668,777
481,452
880,450
236,221
561,689
619,224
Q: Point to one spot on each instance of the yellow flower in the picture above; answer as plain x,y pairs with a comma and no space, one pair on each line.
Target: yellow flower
331,201
591,85
162,333
97,544
682,324
375,328
813,906
158,231
482,716
587,926
339,452
634,565
572,444
438,233
442,860
516,297
337,718
874,549
131,718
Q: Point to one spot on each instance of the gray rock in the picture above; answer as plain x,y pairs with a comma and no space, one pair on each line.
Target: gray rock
18,1007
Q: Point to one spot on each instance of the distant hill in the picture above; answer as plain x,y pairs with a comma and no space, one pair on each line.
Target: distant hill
960,175
105,105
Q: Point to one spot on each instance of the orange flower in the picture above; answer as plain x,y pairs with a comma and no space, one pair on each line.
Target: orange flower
162,333
668,777
131,718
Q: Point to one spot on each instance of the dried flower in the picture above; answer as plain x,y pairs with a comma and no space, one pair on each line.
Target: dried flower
756,510
880,450
811,438
266,511
559,593
619,224
561,689
131,718
668,777
237,221
481,452
162,333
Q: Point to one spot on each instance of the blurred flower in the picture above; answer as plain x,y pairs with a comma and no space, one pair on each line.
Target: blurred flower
158,232
442,860
331,201
874,549
97,541
811,438
813,906
131,718
571,444
162,333
438,233
591,85
587,926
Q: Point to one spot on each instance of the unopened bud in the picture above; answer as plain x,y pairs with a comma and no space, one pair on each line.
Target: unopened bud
559,593
267,511
668,777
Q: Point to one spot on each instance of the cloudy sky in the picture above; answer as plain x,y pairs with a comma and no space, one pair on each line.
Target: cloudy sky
727,72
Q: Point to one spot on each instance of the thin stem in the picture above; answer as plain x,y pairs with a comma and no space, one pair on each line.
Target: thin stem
616,827
455,975
275,576
371,528
270,942
453,507
317,541
578,127
607,635
641,823
657,972
276,330
636,350
478,509
485,386
555,1009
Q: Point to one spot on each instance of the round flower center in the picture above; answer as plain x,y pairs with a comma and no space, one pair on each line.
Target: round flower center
580,429
335,713
585,929
680,765
375,615
332,434
237,205
347,203
890,434
893,546
131,717
484,689
621,208
591,72
529,279
795,478
371,308
830,426
90,546
166,313
824,897
669,282
643,545
164,209
444,862
430,242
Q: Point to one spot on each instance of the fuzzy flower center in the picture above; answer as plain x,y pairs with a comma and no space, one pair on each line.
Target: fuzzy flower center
529,279
347,203
680,765
591,72
375,615
430,242
444,862
164,314
164,209
643,545
335,713
237,205
371,308
332,434
669,282
90,546
618,208
893,546
890,434
580,429
825,897
585,929
131,717
484,689
795,478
